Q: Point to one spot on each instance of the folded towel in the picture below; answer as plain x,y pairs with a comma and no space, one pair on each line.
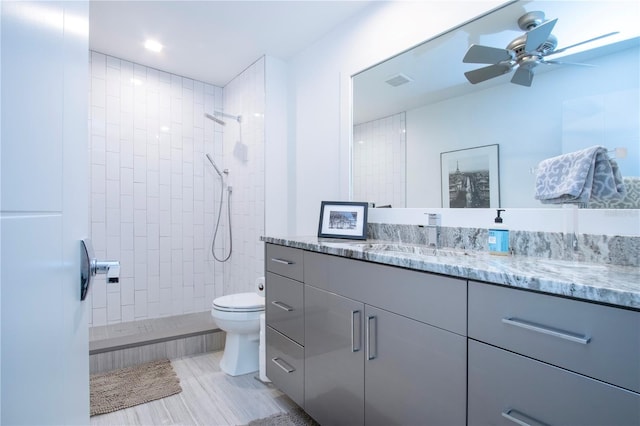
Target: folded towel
578,177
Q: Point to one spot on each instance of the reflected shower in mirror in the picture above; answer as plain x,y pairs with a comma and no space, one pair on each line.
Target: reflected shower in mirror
410,109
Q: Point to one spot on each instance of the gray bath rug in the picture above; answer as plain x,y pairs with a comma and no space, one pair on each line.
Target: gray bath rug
295,417
126,387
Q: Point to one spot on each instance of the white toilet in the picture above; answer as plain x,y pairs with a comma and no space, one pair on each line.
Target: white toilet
239,316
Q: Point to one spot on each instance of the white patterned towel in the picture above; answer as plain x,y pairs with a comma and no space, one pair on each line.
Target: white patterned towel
578,177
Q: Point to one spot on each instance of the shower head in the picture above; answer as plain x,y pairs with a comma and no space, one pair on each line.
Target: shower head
216,119
213,163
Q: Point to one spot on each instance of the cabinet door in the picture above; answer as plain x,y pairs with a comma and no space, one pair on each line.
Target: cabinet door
414,373
334,361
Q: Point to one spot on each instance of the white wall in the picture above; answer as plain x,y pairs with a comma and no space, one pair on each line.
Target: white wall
153,194
321,84
278,148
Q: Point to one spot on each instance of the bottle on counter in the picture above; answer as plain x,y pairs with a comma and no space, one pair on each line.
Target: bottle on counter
498,237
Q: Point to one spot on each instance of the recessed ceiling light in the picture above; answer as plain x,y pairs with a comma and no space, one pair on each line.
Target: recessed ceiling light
153,46
136,82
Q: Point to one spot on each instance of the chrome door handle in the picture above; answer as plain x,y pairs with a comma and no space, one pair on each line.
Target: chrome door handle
282,364
282,306
371,319
355,314
546,330
90,266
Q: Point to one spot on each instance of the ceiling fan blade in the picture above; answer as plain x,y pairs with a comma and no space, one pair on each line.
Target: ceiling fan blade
582,42
478,54
568,63
537,36
523,77
486,73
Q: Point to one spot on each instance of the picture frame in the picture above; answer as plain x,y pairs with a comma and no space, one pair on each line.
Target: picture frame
343,219
470,178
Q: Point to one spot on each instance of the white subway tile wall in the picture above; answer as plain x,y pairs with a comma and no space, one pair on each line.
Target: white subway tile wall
155,198
244,156
379,159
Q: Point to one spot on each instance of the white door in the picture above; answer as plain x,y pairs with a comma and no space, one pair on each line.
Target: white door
44,212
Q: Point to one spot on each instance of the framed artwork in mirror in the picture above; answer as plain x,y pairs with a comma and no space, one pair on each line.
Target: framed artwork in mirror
343,219
471,177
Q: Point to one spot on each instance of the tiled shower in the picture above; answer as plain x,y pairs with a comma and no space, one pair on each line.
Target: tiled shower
379,159
154,198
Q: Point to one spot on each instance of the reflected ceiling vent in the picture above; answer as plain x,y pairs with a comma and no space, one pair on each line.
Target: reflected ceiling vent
398,80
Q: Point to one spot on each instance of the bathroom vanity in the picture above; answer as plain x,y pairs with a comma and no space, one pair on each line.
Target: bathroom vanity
375,333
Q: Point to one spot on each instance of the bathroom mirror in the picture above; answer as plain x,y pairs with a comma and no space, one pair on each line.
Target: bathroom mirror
417,108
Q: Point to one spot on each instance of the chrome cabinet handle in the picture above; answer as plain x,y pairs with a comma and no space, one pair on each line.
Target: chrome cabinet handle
283,261
355,314
371,354
509,415
547,330
282,306
282,364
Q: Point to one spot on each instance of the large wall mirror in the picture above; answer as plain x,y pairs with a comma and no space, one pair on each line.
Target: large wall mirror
418,120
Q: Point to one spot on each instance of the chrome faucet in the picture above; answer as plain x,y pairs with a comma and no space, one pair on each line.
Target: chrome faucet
433,230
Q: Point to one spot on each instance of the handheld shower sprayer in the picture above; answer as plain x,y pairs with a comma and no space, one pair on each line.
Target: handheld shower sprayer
226,257
213,163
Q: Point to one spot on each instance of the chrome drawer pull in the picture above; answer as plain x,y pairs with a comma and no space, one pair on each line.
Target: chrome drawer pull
545,330
282,364
282,306
509,415
283,261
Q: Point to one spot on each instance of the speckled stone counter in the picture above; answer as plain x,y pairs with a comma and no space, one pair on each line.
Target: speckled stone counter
610,284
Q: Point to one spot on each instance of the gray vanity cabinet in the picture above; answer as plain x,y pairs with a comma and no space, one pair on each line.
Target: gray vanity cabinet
540,358
368,360
285,320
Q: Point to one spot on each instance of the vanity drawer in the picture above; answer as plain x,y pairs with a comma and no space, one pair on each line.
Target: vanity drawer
285,306
429,298
595,340
285,365
503,386
285,261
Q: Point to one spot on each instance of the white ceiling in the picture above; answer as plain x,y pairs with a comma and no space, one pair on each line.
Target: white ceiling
212,41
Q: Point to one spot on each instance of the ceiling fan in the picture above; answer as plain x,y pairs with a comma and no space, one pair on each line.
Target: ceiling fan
524,53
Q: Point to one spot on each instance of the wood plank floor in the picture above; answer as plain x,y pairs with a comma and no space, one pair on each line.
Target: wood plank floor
209,397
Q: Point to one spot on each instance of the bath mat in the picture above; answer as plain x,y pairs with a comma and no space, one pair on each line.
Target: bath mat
126,387
295,417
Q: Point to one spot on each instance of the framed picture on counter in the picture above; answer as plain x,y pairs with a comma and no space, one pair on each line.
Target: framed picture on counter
343,219
470,177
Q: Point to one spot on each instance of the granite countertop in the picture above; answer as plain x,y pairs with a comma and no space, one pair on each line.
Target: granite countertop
610,284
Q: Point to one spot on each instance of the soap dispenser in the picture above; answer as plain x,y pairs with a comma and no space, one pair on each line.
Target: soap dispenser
499,237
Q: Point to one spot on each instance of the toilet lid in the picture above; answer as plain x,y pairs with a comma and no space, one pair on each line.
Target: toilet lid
239,302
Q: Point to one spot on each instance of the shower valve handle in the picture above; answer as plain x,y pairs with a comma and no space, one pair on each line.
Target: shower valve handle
90,267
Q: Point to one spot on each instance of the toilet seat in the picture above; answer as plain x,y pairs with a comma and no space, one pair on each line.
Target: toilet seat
239,302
